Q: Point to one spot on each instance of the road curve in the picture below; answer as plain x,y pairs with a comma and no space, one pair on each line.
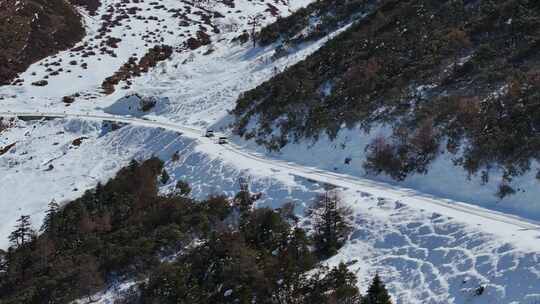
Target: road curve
387,191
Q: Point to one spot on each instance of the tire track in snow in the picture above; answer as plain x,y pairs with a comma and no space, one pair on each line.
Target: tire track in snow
413,198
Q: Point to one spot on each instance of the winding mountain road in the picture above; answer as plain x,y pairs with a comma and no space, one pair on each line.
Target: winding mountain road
458,210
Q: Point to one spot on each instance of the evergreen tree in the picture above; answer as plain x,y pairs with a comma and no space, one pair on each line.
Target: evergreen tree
265,229
294,260
524,20
164,177
23,232
255,21
342,283
488,8
183,188
244,199
457,12
89,278
3,262
330,223
133,165
50,215
170,283
336,285
377,293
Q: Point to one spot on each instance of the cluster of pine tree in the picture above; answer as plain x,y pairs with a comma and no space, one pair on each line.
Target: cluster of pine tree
266,258
455,75
225,250
332,14
117,230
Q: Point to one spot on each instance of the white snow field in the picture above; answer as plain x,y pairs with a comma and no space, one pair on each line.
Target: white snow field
428,246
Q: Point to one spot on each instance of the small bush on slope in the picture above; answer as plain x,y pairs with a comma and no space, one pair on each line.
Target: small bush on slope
464,50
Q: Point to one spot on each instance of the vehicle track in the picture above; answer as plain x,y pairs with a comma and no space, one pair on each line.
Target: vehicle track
407,196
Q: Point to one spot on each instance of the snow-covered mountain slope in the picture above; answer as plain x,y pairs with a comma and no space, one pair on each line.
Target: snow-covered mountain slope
346,154
121,30
456,120
428,251
61,159
197,88
194,85
431,258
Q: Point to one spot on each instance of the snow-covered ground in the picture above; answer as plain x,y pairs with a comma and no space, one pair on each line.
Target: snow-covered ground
443,180
427,257
191,87
110,295
46,163
195,88
429,249
140,26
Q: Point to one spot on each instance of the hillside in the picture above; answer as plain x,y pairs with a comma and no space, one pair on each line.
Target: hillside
424,254
457,77
219,250
35,29
128,39
417,118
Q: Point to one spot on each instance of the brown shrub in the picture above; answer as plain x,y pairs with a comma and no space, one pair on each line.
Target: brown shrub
382,157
